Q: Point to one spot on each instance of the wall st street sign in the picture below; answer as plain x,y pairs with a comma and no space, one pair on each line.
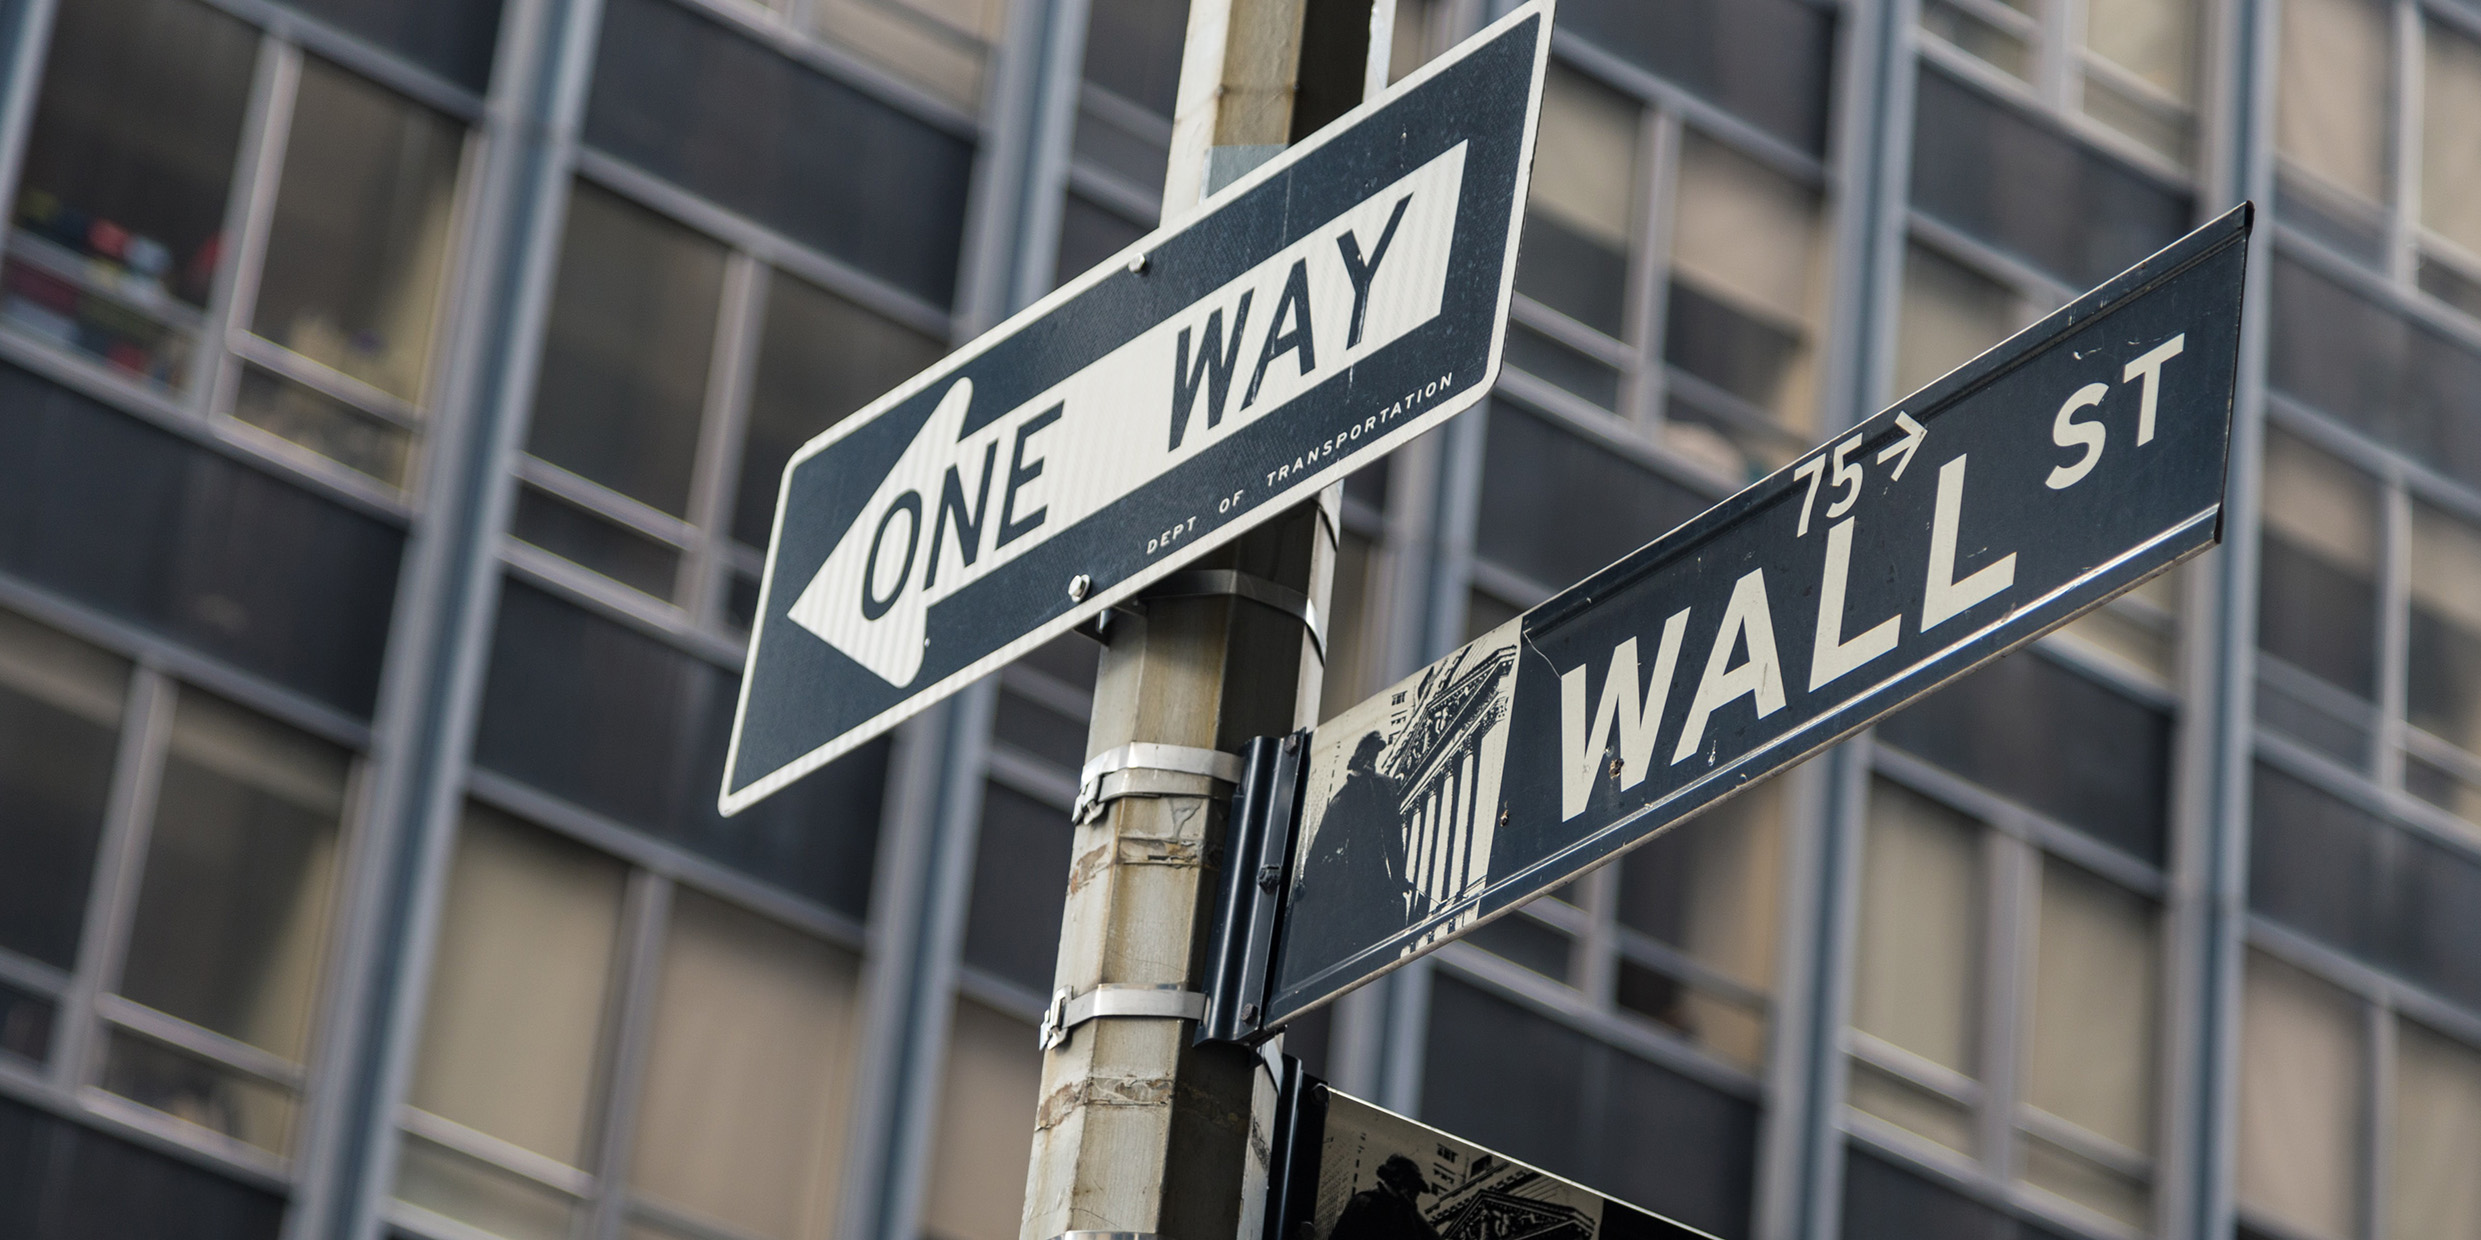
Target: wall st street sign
1342,1169
2031,485
1342,299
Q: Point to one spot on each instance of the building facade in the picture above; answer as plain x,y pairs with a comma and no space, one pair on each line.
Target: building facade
391,395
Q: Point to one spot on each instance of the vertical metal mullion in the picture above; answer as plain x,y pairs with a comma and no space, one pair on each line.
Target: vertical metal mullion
2378,1119
1659,138
250,210
2394,627
2056,63
119,865
636,972
723,419
2403,141
1598,972
2012,885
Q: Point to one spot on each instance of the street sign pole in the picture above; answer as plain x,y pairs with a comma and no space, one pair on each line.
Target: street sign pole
1138,1130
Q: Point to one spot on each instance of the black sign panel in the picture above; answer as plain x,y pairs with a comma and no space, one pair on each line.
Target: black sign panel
1329,306
1347,1170
2033,484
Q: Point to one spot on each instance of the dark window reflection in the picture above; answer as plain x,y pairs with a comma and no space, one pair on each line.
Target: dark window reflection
189,542
2342,875
1557,508
695,103
592,711
2410,387
2063,744
1769,60
60,709
1020,888
2025,187
453,38
68,1182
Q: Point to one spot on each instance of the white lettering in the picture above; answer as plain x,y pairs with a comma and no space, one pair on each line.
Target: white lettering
2067,432
1761,677
2150,366
1945,597
1582,746
1833,656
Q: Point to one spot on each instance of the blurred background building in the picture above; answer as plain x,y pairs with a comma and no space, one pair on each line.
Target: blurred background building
391,394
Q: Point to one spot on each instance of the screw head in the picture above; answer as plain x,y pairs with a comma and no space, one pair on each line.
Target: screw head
1079,586
1138,265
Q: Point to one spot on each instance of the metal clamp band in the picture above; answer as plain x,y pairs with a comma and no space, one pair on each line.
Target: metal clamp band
1117,1000
1139,769
1202,582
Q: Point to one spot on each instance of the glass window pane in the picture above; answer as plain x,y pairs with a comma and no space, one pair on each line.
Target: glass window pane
330,427
518,986
1884,1203
2109,1192
2154,39
2300,1100
1089,233
1768,60
1556,507
2017,180
360,242
2330,104
747,1073
1746,242
25,1025
1921,903
678,94
625,358
590,540
1710,886
60,712
1949,314
2001,46
126,175
2433,1194
1580,211
2317,592
233,910
2089,1057
2054,740
1729,1027
820,357
986,1123
1133,48
2443,681
941,44
1908,1106
1020,888
2451,136
471,1191
200,1091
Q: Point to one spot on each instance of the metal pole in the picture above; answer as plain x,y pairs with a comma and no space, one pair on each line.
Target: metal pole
1137,1130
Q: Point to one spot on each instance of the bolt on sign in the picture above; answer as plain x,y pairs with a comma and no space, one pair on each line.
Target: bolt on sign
2031,485
1326,308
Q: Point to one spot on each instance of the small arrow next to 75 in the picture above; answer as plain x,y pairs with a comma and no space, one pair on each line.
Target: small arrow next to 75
1914,433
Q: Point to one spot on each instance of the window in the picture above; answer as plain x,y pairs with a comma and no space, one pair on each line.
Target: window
652,1053
674,95
2381,173
1770,61
675,385
987,1097
1671,278
195,840
1509,1077
132,248
2324,1069
2130,65
2340,547
2005,1008
944,45
1122,144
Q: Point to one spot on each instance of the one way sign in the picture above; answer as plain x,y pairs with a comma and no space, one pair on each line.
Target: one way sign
1331,305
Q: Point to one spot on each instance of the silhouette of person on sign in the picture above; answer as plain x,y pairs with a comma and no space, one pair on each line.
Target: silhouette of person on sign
1359,861
1390,1211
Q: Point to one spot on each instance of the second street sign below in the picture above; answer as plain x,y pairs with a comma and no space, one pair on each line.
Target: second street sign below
1346,297
2033,484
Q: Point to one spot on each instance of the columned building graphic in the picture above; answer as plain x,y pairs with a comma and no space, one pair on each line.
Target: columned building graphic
391,397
